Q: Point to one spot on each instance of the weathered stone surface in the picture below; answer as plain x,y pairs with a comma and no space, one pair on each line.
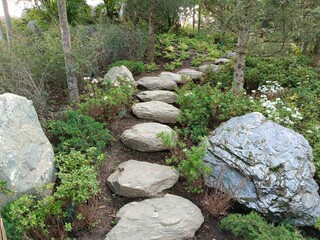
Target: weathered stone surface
219,61
143,137
141,179
193,74
171,76
231,55
157,83
271,165
116,72
26,155
210,67
157,111
158,95
168,218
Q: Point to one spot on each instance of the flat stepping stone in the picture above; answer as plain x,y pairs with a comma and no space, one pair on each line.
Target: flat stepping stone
157,111
141,179
171,76
157,83
158,95
219,61
143,137
168,218
191,73
210,67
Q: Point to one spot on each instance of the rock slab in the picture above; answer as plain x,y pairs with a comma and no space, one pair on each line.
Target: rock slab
270,165
191,73
143,137
157,111
115,72
157,83
168,218
141,179
158,95
171,76
26,155
211,67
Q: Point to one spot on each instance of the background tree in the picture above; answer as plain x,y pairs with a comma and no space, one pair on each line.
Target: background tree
158,15
66,45
1,31
8,20
238,17
46,12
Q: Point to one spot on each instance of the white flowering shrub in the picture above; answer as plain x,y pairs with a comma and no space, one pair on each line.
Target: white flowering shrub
273,107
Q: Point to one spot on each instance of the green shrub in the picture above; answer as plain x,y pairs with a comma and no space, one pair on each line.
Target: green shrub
133,66
78,176
97,46
79,132
254,227
103,101
203,106
189,162
45,218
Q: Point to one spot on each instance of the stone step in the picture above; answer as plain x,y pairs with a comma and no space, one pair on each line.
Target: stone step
168,218
157,111
143,137
158,95
157,83
141,179
171,76
191,73
210,67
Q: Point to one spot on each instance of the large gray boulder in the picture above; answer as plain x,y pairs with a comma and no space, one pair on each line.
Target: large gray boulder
26,155
115,72
157,111
269,167
157,83
141,179
168,218
190,73
158,95
144,137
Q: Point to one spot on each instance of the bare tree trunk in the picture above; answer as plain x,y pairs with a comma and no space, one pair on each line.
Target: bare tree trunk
8,20
1,31
316,52
199,16
305,47
151,34
3,235
193,17
240,63
66,45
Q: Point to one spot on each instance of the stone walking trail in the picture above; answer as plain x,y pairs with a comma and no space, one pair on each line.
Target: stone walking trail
161,217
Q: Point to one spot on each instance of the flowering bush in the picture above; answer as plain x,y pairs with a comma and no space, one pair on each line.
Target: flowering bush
103,101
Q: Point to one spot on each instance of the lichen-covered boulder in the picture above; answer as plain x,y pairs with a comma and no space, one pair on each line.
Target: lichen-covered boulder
168,218
268,166
26,155
115,72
